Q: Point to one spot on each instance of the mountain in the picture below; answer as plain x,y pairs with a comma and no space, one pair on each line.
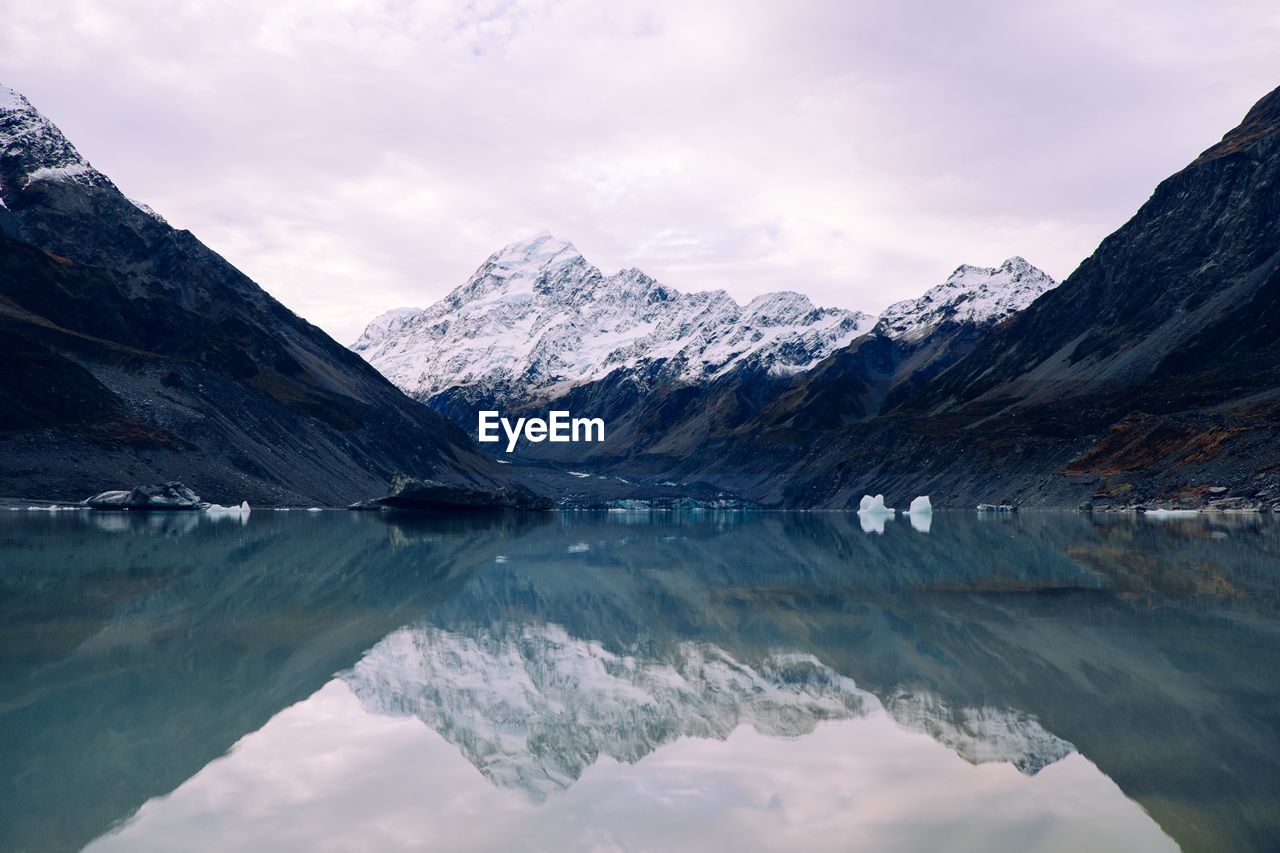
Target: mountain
137,355
1151,374
912,342
537,328
536,320
978,296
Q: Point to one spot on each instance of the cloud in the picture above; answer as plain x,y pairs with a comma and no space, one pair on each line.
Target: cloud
360,155
325,775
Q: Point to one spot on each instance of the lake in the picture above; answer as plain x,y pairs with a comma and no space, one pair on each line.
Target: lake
627,681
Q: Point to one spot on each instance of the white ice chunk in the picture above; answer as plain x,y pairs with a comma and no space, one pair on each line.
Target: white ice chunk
920,521
921,506
873,506
1170,513
241,511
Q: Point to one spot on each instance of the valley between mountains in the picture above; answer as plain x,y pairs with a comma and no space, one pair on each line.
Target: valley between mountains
1150,375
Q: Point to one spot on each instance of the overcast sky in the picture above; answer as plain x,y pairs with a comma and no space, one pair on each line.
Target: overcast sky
357,156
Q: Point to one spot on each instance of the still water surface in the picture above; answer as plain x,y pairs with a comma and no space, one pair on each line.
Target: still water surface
336,681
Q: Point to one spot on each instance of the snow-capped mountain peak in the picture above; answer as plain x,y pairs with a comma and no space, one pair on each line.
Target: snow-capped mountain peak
33,149
537,317
977,295
542,250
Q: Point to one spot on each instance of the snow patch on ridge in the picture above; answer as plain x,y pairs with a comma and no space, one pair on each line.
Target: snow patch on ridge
41,149
11,101
35,150
978,295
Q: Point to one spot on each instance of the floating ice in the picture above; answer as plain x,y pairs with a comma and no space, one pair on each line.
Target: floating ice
920,521
873,506
1170,513
241,511
921,506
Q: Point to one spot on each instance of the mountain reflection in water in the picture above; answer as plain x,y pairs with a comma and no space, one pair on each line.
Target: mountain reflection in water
608,671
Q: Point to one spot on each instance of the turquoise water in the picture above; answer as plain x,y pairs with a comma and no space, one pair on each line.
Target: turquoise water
773,681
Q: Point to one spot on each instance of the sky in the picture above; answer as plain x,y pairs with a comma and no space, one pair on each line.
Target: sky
327,775
362,155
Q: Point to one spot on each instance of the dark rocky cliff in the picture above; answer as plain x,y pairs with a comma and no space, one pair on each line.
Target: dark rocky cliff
135,354
1151,373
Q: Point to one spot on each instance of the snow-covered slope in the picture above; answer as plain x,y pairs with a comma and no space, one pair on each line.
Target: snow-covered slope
28,138
532,706
974,295
536,319
387,324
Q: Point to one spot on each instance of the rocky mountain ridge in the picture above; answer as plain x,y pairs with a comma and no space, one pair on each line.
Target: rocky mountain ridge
537,319
1149,376
141,356
537,328
972,295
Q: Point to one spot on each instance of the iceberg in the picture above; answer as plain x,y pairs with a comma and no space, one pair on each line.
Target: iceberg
872,513
921,506
1170,513
873,506
172,495
241,511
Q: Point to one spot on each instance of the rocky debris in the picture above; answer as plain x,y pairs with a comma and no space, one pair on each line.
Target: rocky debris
162,496
1237,503
412,494
997,508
